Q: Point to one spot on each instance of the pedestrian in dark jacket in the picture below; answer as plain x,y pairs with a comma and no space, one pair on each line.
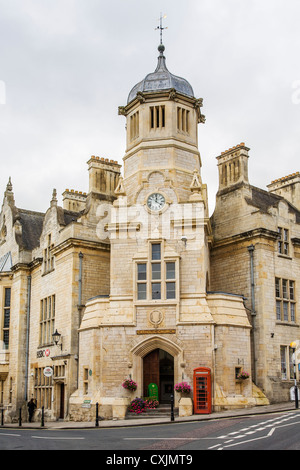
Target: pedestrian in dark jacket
31,407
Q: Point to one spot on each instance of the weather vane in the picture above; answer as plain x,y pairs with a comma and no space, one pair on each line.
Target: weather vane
160,27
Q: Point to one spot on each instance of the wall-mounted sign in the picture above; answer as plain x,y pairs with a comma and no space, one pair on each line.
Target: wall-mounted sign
86,404
48,372
43,353
156,331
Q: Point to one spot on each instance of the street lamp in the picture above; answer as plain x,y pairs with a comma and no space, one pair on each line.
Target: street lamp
56,338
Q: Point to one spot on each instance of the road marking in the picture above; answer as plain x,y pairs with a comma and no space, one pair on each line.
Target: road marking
258,427
261,437
213,447
5,434
59,438
271,432
165,438
233,436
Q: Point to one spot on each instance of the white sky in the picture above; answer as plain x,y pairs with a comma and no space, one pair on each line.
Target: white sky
66,66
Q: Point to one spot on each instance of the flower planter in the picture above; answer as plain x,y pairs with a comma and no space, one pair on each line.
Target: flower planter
183,387
119,408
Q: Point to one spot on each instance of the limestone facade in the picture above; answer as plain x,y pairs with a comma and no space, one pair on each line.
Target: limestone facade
256,254
140,282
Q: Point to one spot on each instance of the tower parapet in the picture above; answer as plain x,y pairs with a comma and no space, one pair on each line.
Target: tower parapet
74,200
287,187
103,175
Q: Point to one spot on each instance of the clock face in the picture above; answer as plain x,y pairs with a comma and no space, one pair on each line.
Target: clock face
156,201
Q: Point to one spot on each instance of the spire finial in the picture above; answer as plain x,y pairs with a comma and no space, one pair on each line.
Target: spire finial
9,185
54,198
161,47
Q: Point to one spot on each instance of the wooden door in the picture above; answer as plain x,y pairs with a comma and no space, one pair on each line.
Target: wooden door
151,370
62,402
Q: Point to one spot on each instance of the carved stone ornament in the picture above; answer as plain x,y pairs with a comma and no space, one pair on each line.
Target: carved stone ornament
172,94
120,190
156,317
140,97
196,183
122,111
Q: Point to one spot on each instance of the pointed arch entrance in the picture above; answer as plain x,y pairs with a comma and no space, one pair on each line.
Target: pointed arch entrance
144,348
158,368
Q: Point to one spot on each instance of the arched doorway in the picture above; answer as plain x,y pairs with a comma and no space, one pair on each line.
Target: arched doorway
158,368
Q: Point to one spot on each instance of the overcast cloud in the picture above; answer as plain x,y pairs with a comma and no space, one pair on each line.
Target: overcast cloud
66,66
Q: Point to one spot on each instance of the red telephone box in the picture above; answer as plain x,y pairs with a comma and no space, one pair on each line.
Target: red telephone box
202,390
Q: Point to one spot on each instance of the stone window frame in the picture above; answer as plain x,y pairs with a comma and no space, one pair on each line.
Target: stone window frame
286,363
48,257
47,319
6,316
157,117
155,272
285,298
85,380
183,120
43,389
134,125
283,246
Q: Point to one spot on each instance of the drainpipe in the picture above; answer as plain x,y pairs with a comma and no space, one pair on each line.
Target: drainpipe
79,306
253,312
27,336
80,281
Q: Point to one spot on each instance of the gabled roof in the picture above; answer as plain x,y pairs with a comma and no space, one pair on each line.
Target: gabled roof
263,200
32,226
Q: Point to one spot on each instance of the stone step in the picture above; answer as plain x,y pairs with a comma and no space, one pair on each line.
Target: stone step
161,411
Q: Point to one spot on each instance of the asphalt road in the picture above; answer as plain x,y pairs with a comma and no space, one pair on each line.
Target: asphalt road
280,431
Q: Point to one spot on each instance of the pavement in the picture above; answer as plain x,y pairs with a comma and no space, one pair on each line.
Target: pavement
151,420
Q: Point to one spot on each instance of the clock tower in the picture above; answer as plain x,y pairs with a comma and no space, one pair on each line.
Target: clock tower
162,117
159,323
161,197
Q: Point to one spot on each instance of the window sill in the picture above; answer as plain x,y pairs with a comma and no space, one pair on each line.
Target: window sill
287,323
48,272
47,345
157,302
281,255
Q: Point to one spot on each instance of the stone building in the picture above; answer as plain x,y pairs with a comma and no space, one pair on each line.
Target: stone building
134,280
256,253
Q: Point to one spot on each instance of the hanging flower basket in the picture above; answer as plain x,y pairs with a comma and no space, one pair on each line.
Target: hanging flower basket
183,387
243,375
129,384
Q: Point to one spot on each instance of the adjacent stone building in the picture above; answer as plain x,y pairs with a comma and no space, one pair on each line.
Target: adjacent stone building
135,280
256,253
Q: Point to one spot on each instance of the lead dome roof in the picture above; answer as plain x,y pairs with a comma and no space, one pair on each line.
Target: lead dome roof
161,79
